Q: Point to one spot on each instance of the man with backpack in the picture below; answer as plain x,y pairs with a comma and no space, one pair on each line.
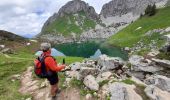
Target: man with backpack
46,67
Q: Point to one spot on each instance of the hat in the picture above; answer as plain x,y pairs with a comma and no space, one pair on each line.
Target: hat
45,46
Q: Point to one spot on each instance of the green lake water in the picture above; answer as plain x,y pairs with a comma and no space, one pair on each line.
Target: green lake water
87,49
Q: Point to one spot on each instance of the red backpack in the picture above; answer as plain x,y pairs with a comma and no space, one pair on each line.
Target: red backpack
40,67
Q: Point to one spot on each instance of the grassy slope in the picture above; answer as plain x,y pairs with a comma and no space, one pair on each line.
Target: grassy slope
66,25
128,36
16,65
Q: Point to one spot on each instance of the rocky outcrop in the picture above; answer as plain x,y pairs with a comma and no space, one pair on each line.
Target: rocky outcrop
91,82
127,11
159,81
140,64
154,93
121,91
109,63
122,7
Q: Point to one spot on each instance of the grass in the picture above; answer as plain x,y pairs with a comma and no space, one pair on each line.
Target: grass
9,67
103,83
130,36
128,81
67,24
17,64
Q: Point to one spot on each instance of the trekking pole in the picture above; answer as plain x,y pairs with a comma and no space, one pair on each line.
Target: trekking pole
64,70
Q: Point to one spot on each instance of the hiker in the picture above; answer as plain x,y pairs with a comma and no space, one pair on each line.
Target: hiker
51,65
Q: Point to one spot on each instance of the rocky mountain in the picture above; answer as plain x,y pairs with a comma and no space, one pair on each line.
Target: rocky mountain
4,35
76,16
77,21
126,11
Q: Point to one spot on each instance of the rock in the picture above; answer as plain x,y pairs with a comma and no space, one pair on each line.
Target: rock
127,49
68,80
76,66
136,80
121,7
153,53
73,74
7,51
109,63
28,99
84,71
149,33
103,76
159,81
88,97
166,48
121,91
44,84
28,44
167,29
155,93
2,47
91,83
163,63
138,63
16,77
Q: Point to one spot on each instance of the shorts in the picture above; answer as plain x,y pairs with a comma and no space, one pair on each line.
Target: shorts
53,79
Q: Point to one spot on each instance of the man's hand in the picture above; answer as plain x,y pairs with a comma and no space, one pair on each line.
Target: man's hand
62,66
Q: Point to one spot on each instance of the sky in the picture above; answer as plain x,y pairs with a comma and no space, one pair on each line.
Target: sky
26,17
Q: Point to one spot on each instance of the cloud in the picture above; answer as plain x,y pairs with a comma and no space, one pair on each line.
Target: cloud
25,17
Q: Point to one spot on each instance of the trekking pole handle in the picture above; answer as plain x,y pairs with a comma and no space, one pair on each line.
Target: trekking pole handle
64,61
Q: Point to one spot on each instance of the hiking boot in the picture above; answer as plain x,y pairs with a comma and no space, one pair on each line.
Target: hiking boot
58,91
54,98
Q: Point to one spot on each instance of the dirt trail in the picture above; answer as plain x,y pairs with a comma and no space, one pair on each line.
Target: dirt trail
40,92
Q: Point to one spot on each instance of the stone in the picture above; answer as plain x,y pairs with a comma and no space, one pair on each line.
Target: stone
167,29
109,63
28,99
2,47
91,83
76,66
127,49
136,80
121,91
68,80
84,71
7,51
163,63
73,74
44,84
153,53
103,76
159,81
154,93
138,63
16,77
88,97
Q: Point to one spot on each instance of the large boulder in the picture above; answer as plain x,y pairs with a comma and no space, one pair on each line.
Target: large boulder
154,93
91,83
140,64
109,63
160,81
121,91
103,76
73,74
163,63
76,66
84,71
